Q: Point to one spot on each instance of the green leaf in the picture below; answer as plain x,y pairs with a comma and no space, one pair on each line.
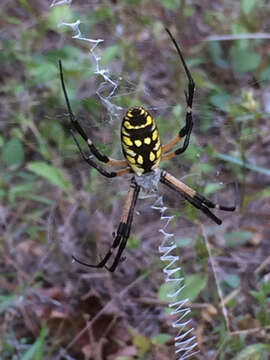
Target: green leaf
247,6
13,153
164,290
1,141
161,339
238,237
258,351
193,285
211,188
244,60
183,241
265,74
202,253
101,14
110,54
56,16
6,346
133,2
171,4
259,296
54,175
7,301
177,110
53,130
133,242
215,50
2,193
37,198
241,44
232,280
20,190
266,287
196,61
221,101
42,71
142,343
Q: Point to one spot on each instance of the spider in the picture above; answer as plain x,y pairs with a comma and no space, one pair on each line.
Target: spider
143,152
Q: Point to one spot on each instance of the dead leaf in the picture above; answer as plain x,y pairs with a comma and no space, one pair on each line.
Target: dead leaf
128,351
248,323
87,351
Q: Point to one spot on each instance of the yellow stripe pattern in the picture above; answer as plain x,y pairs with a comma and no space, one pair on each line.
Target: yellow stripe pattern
140,139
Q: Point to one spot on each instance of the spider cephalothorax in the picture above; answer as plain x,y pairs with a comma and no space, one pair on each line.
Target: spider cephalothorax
143,152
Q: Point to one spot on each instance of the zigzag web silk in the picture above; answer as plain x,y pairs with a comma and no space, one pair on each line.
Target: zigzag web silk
113,110
185,342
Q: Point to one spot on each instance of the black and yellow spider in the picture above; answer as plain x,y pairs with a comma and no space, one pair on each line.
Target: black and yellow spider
142,149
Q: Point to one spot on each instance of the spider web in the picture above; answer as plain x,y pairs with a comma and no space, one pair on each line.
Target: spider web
185,342
112,109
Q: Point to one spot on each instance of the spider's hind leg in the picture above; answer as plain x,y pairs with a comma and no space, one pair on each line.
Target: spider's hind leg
195,199
123,231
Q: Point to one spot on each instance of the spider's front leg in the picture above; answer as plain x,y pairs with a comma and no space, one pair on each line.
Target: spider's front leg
123,231
185,132
100,169
76,126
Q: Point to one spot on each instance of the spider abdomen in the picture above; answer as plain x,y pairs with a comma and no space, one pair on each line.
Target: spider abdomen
140,140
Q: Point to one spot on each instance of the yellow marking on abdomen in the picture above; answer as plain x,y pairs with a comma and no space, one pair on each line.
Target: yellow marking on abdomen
130,152
157,146
147,140
130,159
127,141
128,125
140,160
156,163
124,132
154,135
138,143
159,153
152,156
148,122
137,170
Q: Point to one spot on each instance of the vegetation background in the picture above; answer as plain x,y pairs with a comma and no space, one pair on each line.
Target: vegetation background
53,205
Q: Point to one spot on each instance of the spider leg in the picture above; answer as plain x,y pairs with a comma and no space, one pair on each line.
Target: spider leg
123,231
197,200
100,169
76,126
186,130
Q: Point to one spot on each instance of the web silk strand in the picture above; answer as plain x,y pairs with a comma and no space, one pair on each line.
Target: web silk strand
185,343
113,110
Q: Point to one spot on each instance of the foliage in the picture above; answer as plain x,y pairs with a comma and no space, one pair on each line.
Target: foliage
53,205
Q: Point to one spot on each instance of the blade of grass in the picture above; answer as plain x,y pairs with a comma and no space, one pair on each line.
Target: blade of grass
37,349
238,161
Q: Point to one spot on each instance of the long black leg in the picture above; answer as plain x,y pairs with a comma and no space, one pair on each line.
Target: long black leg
76,126
100,169
186,130
123,231
126,231
197,200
